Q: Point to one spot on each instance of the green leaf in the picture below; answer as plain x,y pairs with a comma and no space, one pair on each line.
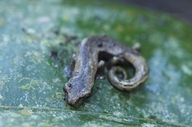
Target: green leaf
34,49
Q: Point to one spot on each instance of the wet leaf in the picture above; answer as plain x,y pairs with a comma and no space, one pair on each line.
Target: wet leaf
38,38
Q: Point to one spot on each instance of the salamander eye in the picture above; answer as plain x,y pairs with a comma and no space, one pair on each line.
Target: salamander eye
99,44
69,84
67,87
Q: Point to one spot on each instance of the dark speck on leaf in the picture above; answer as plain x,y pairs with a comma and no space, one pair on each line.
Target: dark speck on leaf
61,43
6,108
56,32
77,43
23,29
69,38
54,54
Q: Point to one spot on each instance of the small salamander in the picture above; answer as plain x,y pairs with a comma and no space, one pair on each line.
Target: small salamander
83,67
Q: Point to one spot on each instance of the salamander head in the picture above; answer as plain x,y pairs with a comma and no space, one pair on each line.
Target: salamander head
75,91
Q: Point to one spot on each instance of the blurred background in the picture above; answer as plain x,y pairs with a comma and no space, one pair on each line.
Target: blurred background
179,8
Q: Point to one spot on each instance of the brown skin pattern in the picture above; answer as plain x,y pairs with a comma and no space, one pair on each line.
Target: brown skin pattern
83,67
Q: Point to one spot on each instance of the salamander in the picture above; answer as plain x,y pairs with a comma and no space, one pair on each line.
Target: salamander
84,65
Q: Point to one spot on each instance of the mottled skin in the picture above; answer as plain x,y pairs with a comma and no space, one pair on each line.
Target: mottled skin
83,68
